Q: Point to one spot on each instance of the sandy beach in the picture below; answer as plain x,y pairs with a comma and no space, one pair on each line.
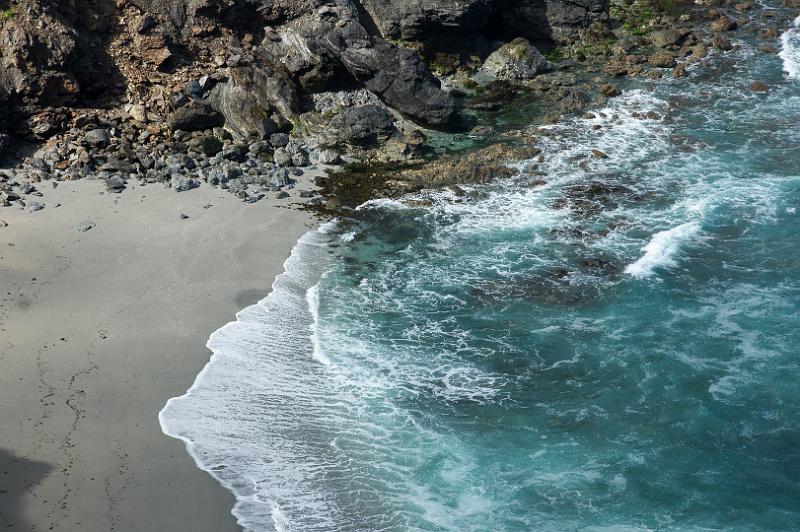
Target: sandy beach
98,329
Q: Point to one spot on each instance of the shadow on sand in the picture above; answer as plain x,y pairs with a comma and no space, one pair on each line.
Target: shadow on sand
17,475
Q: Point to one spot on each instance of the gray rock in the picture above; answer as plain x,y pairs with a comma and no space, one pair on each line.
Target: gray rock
235,153
193,89
668,37
424,19
279,140
211,146
556,20
282,158
329,157
34,206
3,223
206,83
196,116
257,148
97,138
363,125
300,159
115,183
182,184
516,60
282,195
138,113
253,198
252,93
84,226
231,171
335,37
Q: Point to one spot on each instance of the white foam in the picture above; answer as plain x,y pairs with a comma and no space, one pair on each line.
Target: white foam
790,50
260,359
312,297
662,249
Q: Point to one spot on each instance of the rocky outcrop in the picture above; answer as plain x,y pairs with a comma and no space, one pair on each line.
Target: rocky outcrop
39,52
426,19
163,89
550,20
319,48
255,100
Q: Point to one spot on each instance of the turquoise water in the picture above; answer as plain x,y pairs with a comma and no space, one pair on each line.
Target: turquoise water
615,349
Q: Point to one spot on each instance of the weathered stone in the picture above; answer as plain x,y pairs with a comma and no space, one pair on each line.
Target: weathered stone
97,138
662,60
211,146
720,42
115,183
610,90
281,158
329,157
722,24
83,227
668,37
279,140
517,60
182,184
363,125
196,116
300,159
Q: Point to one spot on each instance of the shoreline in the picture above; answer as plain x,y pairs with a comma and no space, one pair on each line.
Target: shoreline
102,327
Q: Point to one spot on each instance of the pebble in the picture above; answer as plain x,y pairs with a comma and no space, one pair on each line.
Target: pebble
83,227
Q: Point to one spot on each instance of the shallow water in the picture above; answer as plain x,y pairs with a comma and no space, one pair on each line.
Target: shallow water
615,349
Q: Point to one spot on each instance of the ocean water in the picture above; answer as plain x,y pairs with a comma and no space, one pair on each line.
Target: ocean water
617,348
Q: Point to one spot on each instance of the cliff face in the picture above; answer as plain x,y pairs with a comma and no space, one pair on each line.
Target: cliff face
263,60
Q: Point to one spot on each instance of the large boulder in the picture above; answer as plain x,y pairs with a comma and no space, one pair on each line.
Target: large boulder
424,19
37,51
365,125
252,95
196,116
334,36
517,60
558,21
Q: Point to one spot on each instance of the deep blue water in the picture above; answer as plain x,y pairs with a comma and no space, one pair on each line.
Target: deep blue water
616,349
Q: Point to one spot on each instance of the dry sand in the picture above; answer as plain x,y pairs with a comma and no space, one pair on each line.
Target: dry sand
99,328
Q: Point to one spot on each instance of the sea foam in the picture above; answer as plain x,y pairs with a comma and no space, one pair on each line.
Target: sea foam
662,249
790,50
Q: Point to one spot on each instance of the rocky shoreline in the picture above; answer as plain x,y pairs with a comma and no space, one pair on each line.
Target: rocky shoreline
249,95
